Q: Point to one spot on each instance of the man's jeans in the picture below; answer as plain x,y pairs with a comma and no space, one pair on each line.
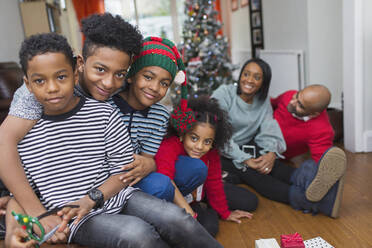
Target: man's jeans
145,221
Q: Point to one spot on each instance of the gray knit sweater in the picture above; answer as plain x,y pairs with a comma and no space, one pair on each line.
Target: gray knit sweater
249,121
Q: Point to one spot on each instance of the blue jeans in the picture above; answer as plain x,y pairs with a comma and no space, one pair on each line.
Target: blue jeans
145,221
158,185
190,173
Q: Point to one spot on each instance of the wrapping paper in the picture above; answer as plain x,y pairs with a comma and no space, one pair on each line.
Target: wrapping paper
266,243
317,242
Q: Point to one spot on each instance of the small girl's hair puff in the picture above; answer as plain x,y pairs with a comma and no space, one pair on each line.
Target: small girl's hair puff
207,110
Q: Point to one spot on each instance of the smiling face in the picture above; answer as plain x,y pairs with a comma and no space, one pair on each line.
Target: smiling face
198,141
250,81
147,87
103,72
51,79
296,105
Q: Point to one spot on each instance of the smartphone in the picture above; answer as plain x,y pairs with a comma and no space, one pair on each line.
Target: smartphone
250,150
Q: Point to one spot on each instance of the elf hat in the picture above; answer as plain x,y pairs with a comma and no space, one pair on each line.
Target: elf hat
160,52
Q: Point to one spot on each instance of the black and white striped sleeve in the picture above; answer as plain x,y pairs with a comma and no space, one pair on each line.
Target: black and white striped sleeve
118,144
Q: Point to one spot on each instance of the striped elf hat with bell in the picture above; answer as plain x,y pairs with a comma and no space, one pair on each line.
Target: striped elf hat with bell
161,52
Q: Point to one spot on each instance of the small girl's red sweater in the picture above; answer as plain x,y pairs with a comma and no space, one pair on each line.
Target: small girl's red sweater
166,157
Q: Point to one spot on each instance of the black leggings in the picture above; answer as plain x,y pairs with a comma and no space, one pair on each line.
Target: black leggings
274,185
238,198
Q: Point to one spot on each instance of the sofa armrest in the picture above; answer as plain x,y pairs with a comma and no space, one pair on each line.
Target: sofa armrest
5,104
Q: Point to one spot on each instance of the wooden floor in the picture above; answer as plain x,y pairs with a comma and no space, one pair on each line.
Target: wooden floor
353,229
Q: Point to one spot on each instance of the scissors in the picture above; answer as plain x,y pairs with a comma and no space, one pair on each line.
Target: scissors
27,223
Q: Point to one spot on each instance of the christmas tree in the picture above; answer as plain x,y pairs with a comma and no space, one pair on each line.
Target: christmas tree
204,49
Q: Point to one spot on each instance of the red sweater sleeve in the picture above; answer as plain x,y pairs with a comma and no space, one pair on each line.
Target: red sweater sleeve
276,101
321,139
214,185
167,155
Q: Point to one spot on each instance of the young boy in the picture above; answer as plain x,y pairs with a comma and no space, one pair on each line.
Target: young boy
148,80
74,155
108,49
75,137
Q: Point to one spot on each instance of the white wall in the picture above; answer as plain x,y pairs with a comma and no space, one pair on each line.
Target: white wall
367,47
11,30
313,26
285,25
357,76
240,42
325,46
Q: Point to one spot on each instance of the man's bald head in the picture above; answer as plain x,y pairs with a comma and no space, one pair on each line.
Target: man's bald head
310,101
316,97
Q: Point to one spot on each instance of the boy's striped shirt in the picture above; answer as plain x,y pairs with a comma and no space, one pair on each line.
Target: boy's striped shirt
65,156
146,127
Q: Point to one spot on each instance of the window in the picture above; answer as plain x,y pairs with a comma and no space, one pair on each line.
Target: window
162,18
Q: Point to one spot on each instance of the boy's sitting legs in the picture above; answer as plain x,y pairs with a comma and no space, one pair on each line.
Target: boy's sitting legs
173,224
107,230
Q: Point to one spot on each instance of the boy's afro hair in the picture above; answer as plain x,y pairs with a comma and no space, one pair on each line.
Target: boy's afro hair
44,43
106,30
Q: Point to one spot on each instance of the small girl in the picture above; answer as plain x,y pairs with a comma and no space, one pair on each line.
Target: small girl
189,156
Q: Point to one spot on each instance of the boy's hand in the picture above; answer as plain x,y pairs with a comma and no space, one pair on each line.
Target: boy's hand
17,237
3,203
51,222
138,169
237,214
67,213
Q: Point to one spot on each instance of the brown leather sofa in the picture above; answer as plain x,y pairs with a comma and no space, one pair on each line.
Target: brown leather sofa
10,79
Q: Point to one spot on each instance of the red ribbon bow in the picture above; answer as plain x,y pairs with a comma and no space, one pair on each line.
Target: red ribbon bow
292,241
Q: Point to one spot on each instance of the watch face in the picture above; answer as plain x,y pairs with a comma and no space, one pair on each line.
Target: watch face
95,194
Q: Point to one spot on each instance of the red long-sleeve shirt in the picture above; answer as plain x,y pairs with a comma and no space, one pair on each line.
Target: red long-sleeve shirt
166,157
301,136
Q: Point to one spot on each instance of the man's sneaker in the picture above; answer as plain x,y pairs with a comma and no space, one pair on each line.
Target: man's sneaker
331,168
330,204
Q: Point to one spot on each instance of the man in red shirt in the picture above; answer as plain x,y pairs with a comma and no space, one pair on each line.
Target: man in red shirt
304,121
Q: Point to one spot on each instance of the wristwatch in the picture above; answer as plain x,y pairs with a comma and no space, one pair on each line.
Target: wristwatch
96,195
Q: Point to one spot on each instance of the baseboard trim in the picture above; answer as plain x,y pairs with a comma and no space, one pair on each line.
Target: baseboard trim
367,137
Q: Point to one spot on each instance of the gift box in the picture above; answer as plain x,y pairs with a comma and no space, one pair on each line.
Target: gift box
291,241
266,243
317,242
